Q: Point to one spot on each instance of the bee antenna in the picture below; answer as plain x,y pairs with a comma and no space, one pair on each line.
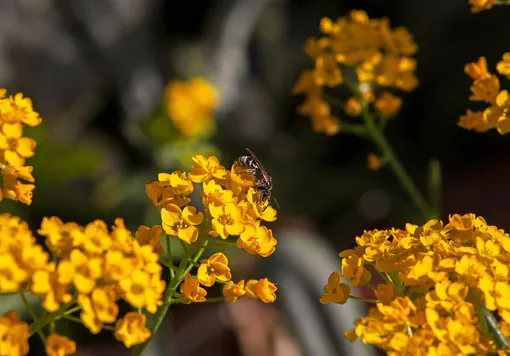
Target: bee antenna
276,202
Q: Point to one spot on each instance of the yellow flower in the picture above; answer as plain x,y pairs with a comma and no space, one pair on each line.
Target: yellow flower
53,286
14,335
191,290
261,289
150,236
131,329
306,84
143,289
503,67
60,237
481,5
181,223
161,194
190,106
328,125
485,89
83,270
96,239
474,121
326,72
58,345
16,149
374,161
216,267
227,220
314,107
98,308
352,267
477,70
385,292
178,180
387,104
213,193
17,109
353,107
205,169
232,291
334,291
257,240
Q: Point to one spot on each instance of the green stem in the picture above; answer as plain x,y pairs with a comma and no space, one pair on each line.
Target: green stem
214,300
40,323
171,268
399,170
196,258
223,243
167,301
33,315
364,300
78,320
170,264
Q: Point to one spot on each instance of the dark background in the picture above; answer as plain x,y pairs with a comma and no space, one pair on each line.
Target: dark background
96,69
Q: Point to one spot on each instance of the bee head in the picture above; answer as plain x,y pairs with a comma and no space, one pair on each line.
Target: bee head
264,194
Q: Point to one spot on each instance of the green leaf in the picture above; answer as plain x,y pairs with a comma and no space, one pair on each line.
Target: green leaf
435,187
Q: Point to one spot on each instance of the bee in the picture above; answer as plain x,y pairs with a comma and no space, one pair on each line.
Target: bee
263,181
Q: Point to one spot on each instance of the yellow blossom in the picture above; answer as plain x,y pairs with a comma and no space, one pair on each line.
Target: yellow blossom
191,290
387,104
353,107
131,329
207,168
262,289
181,223
385,292
334,291
53,285
474,121
143,289
503,67
150,236
190,106
16,149
58,345
213,193
485,89
216,267
232,291
477,70
257,240
227,219
14,335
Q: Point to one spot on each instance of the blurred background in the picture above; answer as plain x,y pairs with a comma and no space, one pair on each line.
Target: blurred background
97,71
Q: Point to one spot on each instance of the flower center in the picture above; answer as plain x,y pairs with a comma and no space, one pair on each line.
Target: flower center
225,219
181,224
12,143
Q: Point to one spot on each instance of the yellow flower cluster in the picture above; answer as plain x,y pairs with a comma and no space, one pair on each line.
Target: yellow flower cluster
486,88
379,56
91,267
190,105
439,279
231,207
16,112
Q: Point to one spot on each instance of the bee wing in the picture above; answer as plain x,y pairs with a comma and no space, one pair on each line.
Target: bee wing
252,154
